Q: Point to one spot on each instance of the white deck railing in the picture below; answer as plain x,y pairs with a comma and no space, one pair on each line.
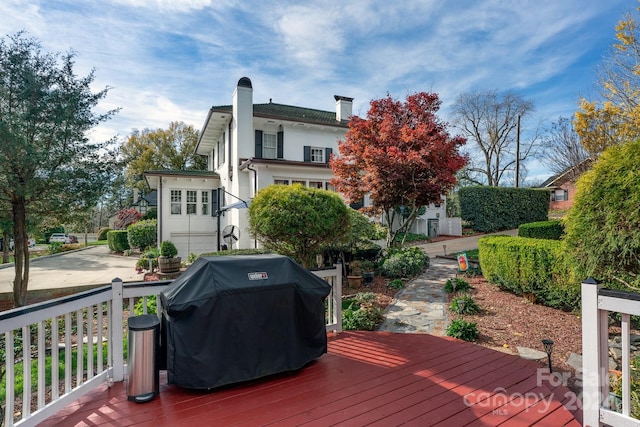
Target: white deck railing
597,303
90,323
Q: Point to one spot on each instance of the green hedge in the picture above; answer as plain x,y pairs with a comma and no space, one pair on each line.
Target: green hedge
143,234
117,240
553,230
102,233
491,209
534,267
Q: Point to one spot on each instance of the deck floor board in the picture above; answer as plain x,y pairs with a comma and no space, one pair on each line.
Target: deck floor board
366,378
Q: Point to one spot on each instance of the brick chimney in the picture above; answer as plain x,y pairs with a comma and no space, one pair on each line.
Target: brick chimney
344,108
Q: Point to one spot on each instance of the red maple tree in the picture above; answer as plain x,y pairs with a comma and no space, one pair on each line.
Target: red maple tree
401,155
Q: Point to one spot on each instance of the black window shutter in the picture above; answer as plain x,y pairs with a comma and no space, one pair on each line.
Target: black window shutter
280,153
307,153
258,144
357,205
214,202
327,154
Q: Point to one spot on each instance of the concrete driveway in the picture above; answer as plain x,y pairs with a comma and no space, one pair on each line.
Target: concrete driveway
91,266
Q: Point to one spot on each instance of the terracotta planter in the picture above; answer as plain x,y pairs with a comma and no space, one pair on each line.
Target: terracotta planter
169,265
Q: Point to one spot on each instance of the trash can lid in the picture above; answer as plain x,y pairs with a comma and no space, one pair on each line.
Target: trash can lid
143,322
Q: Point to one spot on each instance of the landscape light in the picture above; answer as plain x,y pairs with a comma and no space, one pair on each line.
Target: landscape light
548,348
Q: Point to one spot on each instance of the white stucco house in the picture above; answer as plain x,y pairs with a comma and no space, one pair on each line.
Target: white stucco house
249,147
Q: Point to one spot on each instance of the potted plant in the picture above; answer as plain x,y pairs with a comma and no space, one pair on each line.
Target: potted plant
355,274
368,271
168,262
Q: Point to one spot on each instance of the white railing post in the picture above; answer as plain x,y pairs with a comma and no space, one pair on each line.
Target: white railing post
594,374
117,327
337,298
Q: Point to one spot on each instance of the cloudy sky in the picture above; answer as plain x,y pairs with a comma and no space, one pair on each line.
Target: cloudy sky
169,60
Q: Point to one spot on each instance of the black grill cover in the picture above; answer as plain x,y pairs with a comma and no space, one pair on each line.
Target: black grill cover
229,319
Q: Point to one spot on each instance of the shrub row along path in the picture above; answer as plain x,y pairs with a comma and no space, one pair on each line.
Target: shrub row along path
422,306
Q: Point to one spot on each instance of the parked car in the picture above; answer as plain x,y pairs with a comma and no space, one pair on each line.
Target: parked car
59,237
31,242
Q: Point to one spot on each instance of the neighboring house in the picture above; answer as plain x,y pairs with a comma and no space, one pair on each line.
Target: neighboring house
563,186
144,202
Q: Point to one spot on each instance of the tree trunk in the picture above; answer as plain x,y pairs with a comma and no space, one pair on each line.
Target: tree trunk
6,237
20,251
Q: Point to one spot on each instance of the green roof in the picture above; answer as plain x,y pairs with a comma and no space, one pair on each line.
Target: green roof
199,173
291,113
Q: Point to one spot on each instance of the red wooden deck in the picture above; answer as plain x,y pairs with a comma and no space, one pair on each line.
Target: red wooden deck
367,378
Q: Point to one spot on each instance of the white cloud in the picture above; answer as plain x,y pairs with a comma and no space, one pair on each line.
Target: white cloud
171,59
174,5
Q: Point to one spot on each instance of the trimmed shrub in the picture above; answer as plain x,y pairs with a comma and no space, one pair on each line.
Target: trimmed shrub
102,233
143,234
537,268
553,230
490,209
117,240
603,225
250,251
298,221
151,214
404,262
168,249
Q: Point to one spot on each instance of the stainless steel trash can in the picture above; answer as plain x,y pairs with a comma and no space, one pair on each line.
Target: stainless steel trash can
142,362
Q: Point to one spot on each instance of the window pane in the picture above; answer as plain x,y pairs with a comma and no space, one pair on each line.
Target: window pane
176,202
269,145
316,184
317,155
281,181
192,200
205,202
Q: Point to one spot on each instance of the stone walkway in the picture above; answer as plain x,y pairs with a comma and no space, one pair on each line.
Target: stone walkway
420,307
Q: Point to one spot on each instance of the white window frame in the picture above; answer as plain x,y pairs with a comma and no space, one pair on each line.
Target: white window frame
316,154
204,202
192,202
176,202
269,145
